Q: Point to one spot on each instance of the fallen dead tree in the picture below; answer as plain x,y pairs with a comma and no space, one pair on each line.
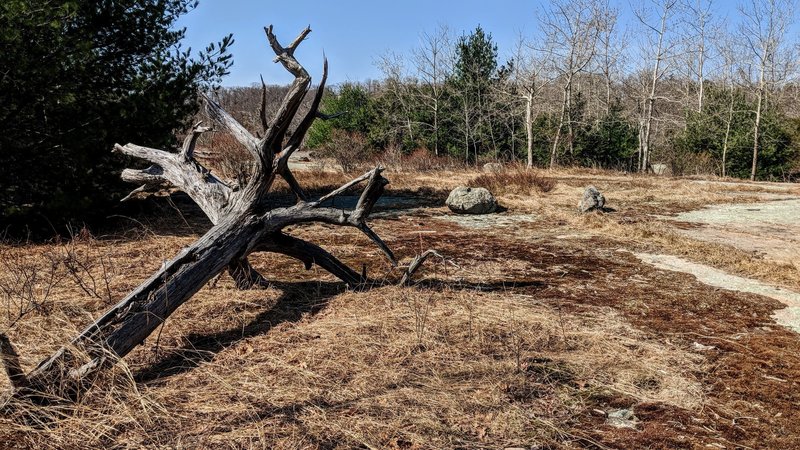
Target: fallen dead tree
244,221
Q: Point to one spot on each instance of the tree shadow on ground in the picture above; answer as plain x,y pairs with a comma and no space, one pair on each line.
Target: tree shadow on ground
177,215
297,300
497,286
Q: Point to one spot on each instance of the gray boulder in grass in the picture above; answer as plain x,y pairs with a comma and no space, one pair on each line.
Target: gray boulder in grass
493,167
592,200
466,200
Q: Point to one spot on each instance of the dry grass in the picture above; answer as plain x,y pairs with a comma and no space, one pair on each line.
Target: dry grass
448,367
521,345
641,204
515,180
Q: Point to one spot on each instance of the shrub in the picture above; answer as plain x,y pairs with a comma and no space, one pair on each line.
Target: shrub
348,149
225,156
516,180
420,160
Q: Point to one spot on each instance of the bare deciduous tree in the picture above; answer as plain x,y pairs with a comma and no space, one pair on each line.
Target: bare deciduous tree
658,49
764,28
611,49
527,82
400,87
730,63
701,28
433,61
571,30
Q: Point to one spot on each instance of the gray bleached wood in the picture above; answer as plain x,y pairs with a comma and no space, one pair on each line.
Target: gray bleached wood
244,221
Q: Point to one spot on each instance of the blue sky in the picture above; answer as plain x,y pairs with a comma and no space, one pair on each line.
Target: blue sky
352,33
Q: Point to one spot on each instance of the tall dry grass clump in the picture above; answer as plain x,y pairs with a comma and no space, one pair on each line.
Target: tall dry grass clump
419,160
349,150
515,180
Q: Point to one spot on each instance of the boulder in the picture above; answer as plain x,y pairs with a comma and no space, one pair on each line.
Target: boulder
659,169
622,418
466,200
492,167
592,200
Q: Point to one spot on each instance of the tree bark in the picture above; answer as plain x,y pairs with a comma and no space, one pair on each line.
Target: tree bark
756,130
556,139
529,127
644,141
727,135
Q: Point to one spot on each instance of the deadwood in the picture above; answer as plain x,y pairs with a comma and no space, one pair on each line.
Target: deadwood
244,221
416,263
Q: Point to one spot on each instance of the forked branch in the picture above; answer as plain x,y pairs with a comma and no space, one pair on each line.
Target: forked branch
416,263
244,221
187,151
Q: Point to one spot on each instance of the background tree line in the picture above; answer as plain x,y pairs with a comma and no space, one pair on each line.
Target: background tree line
678,86
675,84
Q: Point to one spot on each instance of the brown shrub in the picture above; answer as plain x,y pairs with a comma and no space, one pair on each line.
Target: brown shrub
226,157
516,180
349,150
420,160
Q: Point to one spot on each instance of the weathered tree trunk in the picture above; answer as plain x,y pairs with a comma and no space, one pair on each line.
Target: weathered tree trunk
644,141
570,132
244,222
466,131
435,125
757,128
727,134
529,126
556,139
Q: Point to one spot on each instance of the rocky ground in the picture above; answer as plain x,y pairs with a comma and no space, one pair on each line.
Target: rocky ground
644,326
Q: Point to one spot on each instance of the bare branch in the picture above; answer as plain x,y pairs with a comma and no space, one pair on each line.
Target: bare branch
153,175
343,188
275,132
416,263
210,193
234,127
286,55
298,135
282,159
295,187
262,112
310,254
187,151
379,242
300,38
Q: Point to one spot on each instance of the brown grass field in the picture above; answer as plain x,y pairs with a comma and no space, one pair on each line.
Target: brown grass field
542,322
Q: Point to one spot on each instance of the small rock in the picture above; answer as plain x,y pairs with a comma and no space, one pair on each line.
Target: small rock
465,200
592,200
493,167
659,169
702,348
622,418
